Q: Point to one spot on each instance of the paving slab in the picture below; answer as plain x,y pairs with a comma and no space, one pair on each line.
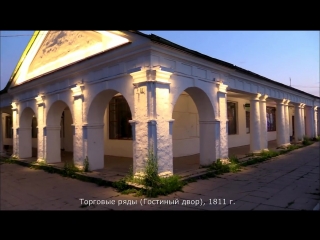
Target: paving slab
289,182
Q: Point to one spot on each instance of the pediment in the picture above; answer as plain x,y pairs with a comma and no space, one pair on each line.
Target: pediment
52,50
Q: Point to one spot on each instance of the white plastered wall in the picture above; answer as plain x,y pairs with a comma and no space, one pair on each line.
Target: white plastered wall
185,127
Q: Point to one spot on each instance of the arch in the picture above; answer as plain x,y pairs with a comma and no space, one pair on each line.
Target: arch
98,145
55,111
26,117
54,138
27,144
99,104
202,101
207,128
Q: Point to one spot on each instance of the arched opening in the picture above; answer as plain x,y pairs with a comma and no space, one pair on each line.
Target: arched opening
193,131
109,133
28,134
59,134
6,131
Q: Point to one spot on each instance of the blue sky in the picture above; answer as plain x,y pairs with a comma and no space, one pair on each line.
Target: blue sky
277,55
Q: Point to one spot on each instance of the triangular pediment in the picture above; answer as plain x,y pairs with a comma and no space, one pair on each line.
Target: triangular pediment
51,50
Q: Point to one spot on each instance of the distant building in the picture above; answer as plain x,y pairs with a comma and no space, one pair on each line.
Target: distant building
120,93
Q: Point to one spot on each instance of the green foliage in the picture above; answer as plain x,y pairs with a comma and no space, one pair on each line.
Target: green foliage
70,169
268,154
219,167
86,167
151,178
152,185
306,141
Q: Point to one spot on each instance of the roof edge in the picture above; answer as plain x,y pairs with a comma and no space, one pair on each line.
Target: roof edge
23,55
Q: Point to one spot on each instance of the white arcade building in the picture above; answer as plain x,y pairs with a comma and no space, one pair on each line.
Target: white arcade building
121,93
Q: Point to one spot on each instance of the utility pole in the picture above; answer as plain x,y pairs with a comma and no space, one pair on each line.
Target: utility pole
290,82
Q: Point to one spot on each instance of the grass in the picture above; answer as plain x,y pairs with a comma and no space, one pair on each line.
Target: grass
306,141
150,184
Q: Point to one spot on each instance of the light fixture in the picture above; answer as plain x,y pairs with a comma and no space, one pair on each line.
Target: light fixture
246,107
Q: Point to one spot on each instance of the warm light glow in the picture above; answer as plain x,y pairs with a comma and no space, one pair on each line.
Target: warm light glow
43,58
14,105
77,91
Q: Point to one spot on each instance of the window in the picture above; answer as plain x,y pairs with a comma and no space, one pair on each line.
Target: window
34,129
232,118
9,130
271,119
119,116
247,121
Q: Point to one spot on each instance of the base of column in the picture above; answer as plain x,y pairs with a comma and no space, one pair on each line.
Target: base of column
165,174
141,175
256,152
41,160
265,150
225,161
287,144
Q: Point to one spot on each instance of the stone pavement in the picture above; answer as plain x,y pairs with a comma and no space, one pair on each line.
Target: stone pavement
286,182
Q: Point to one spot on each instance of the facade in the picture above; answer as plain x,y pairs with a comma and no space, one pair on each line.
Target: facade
124,93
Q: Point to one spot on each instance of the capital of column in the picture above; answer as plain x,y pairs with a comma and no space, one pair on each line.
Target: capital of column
93,126
222,88
256,97
263,98
132,122
152,121
299,105
287,102
157,74
40,100
14,106
315,108
281,101
77,90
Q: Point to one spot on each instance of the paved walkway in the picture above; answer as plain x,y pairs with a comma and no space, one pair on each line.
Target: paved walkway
287,182
116,168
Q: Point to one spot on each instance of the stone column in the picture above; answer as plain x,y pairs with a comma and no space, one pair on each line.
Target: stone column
78,153
263,123
40,128
303,126
255,124
15,128
287,122
221,123
280,123
315,110
297,123
310,122
152,118
53,148
2,131
93,141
